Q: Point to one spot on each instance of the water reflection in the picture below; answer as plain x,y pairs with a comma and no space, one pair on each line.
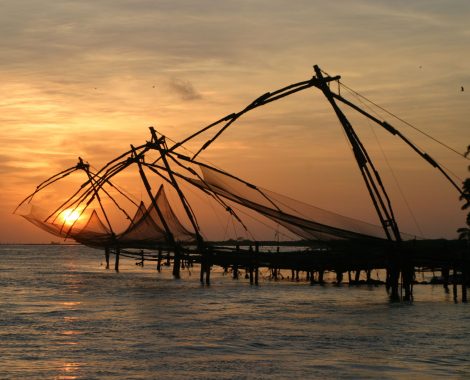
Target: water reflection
69,371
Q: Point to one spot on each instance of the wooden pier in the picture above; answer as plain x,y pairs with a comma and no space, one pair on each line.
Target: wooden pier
450,258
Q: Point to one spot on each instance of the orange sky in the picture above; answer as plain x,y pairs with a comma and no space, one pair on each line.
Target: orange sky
88,78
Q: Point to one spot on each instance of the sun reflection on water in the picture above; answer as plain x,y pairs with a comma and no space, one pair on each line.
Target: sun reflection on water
69,371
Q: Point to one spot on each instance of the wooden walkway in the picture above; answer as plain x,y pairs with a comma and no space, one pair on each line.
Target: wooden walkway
449,257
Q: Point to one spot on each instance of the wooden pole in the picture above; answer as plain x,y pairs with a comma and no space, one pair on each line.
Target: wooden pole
445,278
170,237
256,264
464,285
116,260
159,260
454,283
250,265
106,255
202,270
339,276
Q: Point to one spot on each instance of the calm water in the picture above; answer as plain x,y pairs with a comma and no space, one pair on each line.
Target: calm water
63,316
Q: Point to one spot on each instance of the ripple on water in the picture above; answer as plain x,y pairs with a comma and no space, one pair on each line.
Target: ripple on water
64,316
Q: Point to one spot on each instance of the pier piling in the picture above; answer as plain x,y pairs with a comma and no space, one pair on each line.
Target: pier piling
106,256
116,259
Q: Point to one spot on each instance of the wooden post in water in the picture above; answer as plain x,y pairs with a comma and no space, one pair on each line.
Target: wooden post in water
464,266
320,276
339,276
208,265
208,274
235,265
235,271
201,273
464,285
357,276
176,262
203,267
454,283
159,260
251,265
116,259
393,277
256,264
445,278
106,256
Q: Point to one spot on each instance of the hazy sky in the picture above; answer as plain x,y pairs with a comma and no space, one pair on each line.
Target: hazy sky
87,78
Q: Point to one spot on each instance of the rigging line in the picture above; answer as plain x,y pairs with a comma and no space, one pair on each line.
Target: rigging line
69,202
249,216
226,228
96,191
207,190
214,195
153,169
263,223
414,146
169,233
261,101
407,123
220,171
334,214
257,102
370,175
189,151
127,153
120,189
394,131
81,213
202,199
389,165
111,172
392,172
202,161
63,174
162,148
101,187
116,169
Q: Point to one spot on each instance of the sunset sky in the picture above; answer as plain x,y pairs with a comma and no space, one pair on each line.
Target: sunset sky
87,78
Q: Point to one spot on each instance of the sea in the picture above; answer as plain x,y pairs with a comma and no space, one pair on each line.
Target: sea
63,315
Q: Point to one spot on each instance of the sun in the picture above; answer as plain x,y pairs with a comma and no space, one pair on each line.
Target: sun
70,216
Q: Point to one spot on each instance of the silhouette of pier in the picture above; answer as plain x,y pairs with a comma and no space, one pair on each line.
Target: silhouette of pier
450,258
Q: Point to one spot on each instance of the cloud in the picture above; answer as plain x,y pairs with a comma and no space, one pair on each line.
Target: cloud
184,89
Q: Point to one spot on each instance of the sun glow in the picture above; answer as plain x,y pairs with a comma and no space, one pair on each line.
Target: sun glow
70,216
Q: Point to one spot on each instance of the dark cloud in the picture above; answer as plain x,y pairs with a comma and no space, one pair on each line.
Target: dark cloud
184,89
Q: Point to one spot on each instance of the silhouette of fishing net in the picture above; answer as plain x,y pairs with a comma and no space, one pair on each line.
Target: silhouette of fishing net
304,220
145,230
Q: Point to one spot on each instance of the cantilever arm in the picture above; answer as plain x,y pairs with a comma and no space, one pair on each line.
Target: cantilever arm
260,101
46,183
395,132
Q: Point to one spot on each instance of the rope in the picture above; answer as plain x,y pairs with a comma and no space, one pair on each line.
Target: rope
402,194
406,122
